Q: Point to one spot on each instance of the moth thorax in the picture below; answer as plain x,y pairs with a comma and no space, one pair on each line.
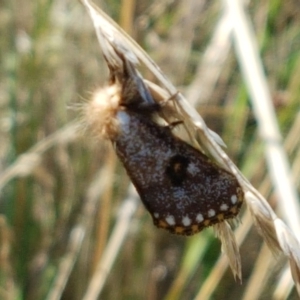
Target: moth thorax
100,112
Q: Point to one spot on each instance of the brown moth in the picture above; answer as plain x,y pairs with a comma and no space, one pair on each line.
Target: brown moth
183,190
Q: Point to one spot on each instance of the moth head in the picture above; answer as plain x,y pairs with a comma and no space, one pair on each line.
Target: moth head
99,114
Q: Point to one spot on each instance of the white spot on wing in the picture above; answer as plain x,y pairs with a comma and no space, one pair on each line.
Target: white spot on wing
186,221
170,220
199,218
224,207
233,199
192,169
156,215
211,213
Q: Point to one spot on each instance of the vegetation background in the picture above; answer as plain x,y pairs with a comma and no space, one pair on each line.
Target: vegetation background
61,191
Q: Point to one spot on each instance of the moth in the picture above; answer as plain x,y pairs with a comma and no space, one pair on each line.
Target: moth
183,190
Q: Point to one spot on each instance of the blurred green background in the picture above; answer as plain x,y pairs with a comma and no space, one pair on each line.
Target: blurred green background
49,171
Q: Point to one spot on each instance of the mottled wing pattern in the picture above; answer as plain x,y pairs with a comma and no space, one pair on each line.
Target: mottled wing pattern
182,189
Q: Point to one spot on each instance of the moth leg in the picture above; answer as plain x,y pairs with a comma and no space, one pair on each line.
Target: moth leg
172,97
174,124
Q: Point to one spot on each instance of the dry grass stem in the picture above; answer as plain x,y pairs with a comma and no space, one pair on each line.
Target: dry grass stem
67,263
78,233
114,245
212,63
230,248
26,162
251,65
260,275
